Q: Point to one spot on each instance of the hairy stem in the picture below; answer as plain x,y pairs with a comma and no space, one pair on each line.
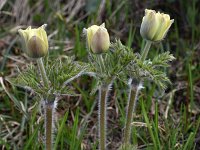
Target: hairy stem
133,97
49,124
103,96
48,108
102,61
146,50
43,72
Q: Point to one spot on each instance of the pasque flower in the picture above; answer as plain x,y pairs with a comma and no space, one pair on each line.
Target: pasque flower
154,25
35,41
98,38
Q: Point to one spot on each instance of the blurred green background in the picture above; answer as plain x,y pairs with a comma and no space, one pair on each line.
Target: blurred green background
173,114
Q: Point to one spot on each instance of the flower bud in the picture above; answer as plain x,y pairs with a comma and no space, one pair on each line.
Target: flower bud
35,41
154,25
98,39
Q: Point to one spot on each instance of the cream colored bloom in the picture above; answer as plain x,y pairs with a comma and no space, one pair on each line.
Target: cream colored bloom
98,39
35,41
154,25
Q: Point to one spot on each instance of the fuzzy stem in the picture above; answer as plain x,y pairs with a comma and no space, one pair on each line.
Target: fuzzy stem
102,61
43,72
146,50
103,96
49,123
133,97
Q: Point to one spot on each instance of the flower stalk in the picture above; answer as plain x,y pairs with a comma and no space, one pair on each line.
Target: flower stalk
49,108
146,50
43,72
133,98
103,97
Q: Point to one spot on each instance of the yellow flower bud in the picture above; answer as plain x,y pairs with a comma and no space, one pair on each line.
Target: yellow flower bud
35,41
154,25
98,39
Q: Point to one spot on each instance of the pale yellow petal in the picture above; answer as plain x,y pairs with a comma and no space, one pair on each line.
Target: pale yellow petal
100,41
90,33
149,25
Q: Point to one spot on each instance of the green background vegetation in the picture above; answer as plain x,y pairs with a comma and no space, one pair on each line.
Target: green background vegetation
169,119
